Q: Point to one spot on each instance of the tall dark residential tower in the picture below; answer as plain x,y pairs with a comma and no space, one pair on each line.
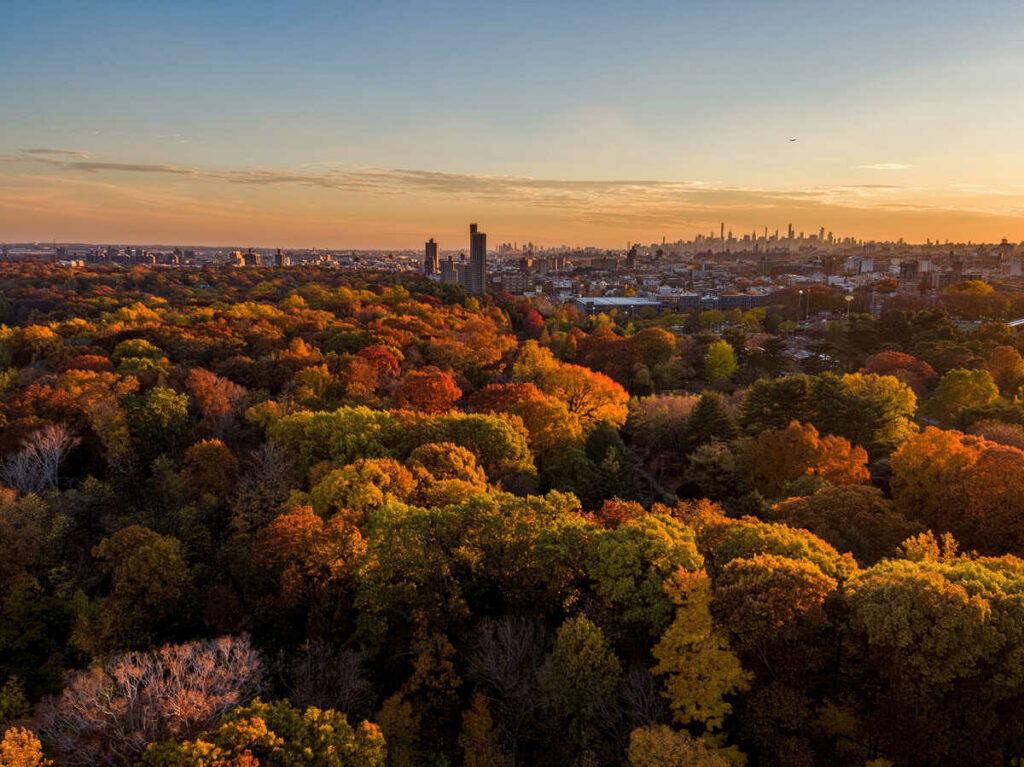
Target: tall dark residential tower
476,274
431,263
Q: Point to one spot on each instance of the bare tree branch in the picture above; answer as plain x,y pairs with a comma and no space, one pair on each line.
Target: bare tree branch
36,467
108,715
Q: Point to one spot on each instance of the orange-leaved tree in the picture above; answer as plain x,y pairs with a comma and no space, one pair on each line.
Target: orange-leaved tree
429,390
776,457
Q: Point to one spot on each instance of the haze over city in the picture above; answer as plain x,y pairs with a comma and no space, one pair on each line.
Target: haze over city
376,125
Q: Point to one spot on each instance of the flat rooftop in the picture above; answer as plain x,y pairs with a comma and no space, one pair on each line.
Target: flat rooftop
618,300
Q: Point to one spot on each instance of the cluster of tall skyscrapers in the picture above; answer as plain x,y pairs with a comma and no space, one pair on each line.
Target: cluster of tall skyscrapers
471,275
754,237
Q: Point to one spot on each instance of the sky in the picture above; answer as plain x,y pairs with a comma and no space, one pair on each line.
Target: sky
378,124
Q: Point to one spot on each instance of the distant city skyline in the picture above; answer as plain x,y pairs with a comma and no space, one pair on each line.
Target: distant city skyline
777,238
379,125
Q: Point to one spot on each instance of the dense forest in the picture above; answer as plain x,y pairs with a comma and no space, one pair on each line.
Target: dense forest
311,517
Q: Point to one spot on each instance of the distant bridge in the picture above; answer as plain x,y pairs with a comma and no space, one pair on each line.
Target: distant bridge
1016,323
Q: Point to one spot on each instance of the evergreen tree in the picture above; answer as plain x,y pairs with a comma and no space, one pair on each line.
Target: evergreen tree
709,421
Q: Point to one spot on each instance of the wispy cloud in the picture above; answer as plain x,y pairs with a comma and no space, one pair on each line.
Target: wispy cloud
985,189
54,153
580,194
607,203
385,181
130,167
66,159
885,166
398,180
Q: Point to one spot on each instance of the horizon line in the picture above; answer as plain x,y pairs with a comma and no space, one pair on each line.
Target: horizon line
126,243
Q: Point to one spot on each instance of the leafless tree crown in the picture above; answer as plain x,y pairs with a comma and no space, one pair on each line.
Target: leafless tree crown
36,466
107,715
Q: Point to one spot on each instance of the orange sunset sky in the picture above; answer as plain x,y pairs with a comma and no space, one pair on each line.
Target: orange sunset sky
351,125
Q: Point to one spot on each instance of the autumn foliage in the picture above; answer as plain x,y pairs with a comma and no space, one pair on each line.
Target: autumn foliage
434,529
777,457
429,391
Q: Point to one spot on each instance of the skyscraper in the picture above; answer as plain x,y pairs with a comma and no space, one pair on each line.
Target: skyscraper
431,264
476,274
449,272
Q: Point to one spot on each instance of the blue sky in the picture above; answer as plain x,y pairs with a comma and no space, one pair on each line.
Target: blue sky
925,96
